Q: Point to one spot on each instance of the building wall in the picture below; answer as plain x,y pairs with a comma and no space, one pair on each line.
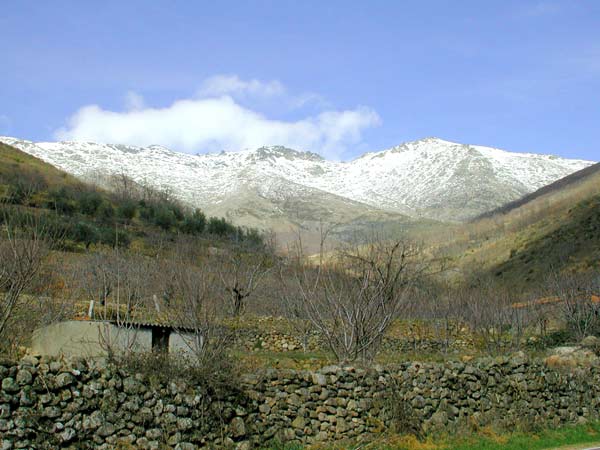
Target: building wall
181,343
87,338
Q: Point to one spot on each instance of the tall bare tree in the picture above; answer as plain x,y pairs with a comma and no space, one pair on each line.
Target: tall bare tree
25,244
195,312
489,309
116,284
353,298
98,279
575,294
241,273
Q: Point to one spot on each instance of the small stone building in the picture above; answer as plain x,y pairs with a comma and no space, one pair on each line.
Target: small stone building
89,338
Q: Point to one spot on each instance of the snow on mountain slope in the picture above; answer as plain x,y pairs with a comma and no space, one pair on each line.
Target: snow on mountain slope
446,180
429,178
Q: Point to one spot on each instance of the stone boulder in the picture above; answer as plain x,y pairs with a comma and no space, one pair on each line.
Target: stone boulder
591,342
571,356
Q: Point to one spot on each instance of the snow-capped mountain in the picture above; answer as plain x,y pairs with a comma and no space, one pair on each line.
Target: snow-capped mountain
275,186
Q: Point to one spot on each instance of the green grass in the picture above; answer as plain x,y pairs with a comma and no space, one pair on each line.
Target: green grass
296,359
547,439
14,161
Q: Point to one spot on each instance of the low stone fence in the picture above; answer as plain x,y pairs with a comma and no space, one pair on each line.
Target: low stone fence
277,334
89,404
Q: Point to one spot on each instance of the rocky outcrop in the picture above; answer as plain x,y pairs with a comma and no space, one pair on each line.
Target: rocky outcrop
47,403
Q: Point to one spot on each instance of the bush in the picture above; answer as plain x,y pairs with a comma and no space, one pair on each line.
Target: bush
554,339
21,186
114,237
164,218
220,227
89,202
253,237
147,214
194,223
126,210
85,233
105,212
62,201
216,374
16,195
177,211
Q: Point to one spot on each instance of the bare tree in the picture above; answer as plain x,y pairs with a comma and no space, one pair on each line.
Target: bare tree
575,293
437,304
124,187
128,303
241,272
116,285
195,310
25,245
132,288
492,314
54,293
352,299
291,304
98,279
485,315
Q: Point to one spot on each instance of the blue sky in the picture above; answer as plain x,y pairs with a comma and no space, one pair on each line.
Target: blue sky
337,77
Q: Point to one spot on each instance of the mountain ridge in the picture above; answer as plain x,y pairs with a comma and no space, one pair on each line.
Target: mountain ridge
576,177
430,178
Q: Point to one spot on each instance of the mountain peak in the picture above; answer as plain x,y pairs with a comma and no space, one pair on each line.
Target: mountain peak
433,140
279,151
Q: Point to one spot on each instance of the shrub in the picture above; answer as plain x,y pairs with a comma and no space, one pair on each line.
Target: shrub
219,226
164,218
62,201
556,338
177,211
194,223
22,186
85,233
126,210
89,202
105,212
114,237
216,374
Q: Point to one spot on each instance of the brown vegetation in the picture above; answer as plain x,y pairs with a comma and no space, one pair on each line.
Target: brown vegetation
352,298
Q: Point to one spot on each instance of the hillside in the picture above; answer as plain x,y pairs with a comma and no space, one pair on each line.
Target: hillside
280,188
555,228
560,185
573,244
87,216
15,164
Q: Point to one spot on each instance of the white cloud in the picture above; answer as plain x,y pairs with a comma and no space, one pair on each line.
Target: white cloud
232,85
217,123
134,101
299,101
235,87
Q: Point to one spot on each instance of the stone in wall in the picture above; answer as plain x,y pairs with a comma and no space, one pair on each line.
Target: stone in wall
49,403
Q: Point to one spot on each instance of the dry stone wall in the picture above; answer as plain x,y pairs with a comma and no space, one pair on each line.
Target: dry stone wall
90,404
278,334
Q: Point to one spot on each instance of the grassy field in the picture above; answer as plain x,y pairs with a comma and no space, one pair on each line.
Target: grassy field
572,437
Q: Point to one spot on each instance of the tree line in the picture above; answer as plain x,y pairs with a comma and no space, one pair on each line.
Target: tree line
90,215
